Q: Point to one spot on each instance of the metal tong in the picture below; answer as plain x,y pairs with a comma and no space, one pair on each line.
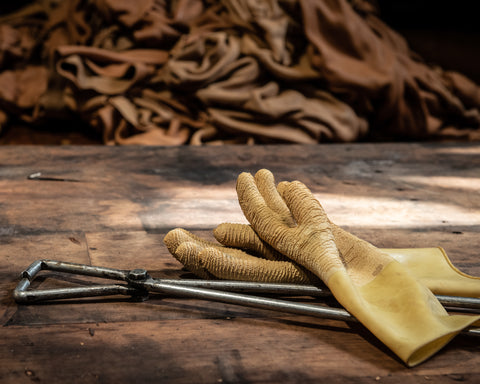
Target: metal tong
139,283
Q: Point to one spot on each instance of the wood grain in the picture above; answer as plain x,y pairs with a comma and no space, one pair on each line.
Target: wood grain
124,200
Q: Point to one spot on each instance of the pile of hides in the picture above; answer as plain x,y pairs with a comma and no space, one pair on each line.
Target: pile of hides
162,72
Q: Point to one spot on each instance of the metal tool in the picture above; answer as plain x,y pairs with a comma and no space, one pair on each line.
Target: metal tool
38,176
139,283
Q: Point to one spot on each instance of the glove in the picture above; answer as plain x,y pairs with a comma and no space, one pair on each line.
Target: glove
222,262
431,266
208,260
434,269
379,291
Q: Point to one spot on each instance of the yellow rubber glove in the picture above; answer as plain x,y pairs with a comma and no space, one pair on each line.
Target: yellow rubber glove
431,266
208,260
435,270
370,284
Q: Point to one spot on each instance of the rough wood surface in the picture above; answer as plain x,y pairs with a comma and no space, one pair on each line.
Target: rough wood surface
117,204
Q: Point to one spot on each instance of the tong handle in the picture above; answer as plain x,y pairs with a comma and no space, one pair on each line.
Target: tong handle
139,283
21,294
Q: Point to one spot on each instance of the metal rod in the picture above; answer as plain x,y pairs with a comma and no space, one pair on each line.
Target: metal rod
21,294
224,285
253,287
459,302
259,302
139,282
301,290
247,300
38,176
82,269
24,296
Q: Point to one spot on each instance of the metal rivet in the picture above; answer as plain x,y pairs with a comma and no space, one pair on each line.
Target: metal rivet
137,274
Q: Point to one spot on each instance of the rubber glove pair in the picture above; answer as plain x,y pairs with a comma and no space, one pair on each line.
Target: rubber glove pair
386,290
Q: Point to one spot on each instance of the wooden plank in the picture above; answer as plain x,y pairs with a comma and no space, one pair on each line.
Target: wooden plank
125,201
220,350
163,187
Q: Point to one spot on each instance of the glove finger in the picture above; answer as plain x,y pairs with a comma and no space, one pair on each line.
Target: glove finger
304,207
243,236
177,236
249,268
266,185
188,253
311,246
260,216
311,243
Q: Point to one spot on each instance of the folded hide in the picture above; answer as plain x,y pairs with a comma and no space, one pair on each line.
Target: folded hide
236,65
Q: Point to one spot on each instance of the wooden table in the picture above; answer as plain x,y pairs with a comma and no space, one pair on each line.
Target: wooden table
111,207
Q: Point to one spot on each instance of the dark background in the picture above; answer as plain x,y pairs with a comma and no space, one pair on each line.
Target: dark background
443,33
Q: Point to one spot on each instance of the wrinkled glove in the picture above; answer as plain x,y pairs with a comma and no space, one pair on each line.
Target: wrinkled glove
208,260
431,266
375,288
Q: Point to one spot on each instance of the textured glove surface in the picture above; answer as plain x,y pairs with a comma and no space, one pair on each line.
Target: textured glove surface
370,284
208,260
431,266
